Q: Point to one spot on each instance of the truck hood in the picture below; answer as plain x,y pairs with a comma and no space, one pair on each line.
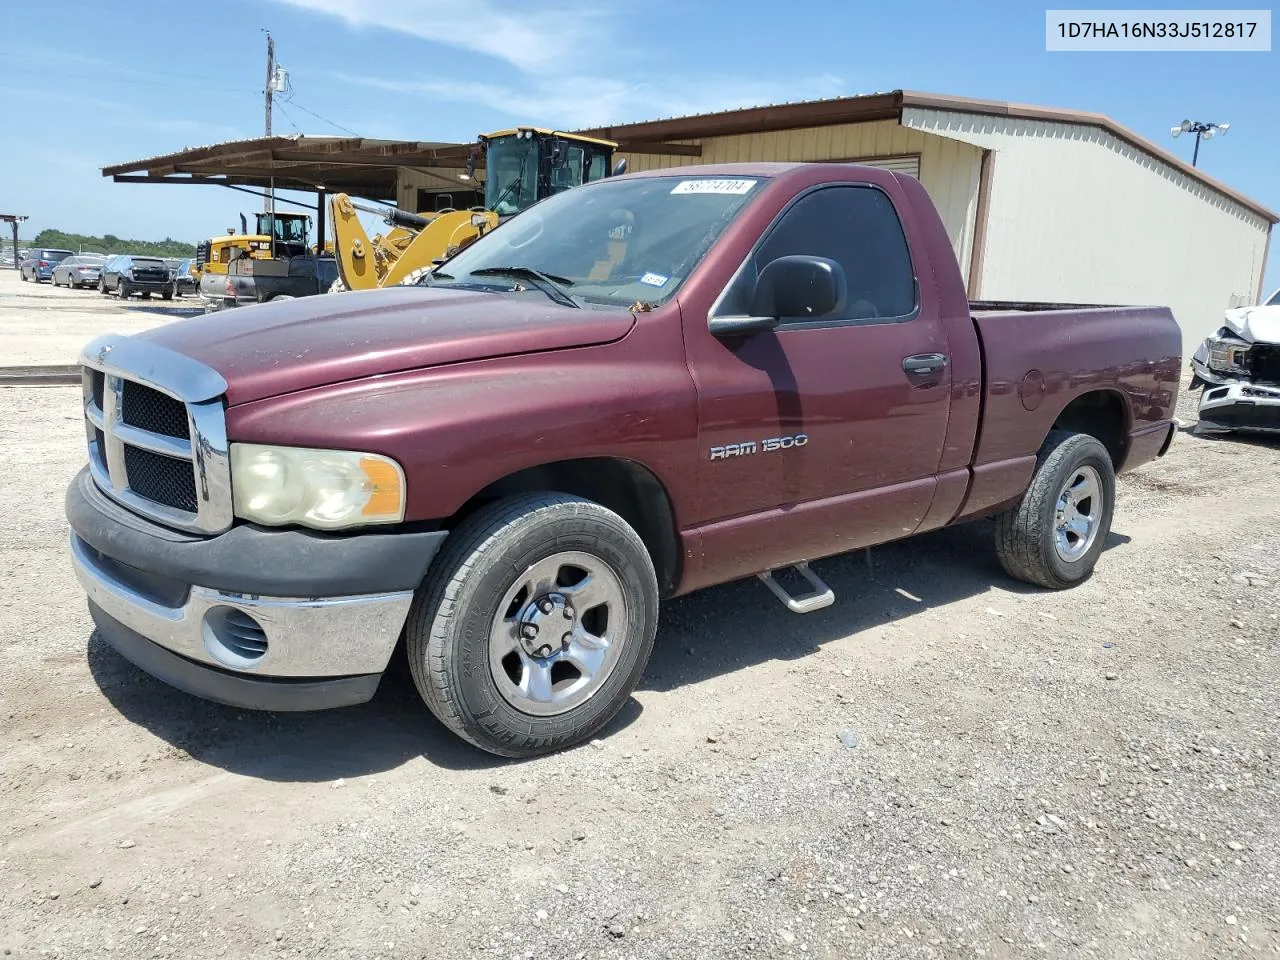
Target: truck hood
274,348
1255,324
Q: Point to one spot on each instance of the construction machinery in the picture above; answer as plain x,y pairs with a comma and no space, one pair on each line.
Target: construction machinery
278,235
523,165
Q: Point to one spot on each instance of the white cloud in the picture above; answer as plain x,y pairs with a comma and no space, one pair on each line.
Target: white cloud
572,65
577,102
531,39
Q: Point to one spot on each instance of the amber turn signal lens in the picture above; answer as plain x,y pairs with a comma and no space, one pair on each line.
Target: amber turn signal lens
385,495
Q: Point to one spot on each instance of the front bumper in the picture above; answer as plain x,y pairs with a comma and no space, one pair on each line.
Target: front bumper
326,611
146,286
1240,405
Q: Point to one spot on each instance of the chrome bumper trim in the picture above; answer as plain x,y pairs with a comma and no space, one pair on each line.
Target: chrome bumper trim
329,637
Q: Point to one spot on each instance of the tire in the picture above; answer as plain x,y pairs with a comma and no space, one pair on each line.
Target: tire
122,291
102,286
165,295
282,296
23,275
483,564
1031,540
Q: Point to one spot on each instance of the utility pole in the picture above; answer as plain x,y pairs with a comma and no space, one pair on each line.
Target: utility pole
269,205
271,76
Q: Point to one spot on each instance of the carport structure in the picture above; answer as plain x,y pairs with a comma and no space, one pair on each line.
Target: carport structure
373,169
319,165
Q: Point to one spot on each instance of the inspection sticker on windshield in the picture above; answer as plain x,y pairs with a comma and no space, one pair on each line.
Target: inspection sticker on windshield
738,187
654,279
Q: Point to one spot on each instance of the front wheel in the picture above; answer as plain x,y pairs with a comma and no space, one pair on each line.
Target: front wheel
1054,535
534,624
122,291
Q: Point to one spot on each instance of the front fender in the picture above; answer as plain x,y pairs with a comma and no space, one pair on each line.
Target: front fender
457,429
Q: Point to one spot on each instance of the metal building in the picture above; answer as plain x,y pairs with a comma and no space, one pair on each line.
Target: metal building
1040,203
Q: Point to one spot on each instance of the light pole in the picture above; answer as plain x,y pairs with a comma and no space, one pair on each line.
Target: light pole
1203,131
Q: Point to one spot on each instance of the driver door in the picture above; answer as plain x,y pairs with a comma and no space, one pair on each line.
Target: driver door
816,432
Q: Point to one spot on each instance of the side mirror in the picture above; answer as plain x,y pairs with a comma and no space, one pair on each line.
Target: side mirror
799,287
619,168
793,287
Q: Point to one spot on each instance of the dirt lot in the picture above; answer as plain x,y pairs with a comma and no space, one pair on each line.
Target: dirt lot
44,324
987,771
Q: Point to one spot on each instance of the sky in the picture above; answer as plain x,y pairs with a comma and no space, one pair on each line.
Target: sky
73,98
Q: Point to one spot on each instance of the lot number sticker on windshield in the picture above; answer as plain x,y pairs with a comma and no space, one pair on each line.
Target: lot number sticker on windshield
654,279
737,187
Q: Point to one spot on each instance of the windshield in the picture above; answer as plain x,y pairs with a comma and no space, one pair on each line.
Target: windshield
288,229
618,242
511,171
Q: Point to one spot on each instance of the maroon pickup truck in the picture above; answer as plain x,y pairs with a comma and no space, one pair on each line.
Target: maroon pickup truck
635,389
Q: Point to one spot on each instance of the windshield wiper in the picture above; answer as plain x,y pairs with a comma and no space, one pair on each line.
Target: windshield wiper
548,283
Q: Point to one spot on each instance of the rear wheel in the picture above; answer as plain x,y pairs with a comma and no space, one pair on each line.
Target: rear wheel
1056,532
165,295
534,624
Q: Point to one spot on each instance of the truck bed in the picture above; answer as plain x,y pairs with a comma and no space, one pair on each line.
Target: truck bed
1037,356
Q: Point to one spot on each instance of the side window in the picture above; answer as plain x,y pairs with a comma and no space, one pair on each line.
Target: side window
856,227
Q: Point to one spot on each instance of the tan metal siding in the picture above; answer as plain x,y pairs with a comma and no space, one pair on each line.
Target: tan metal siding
1076,214
949,170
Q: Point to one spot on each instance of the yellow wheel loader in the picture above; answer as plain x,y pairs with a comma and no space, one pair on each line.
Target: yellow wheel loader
289,230
523,165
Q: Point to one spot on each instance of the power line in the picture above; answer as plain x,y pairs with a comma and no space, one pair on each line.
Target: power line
279,105
324,119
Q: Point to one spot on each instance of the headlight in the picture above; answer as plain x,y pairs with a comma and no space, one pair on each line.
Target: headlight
1228,353
325,489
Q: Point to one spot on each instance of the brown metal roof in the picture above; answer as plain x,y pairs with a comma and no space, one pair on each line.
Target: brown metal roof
355,165
349,164
889,106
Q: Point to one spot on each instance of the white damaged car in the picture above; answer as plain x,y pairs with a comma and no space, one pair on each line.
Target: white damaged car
1240,369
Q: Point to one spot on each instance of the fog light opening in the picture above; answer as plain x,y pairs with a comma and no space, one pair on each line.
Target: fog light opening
234,638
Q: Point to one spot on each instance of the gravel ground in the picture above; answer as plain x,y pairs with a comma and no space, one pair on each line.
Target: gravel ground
989,770
44,324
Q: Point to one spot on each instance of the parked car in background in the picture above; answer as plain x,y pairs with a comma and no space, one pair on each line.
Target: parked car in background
184,281
126,275
82,270
41,261
1239,367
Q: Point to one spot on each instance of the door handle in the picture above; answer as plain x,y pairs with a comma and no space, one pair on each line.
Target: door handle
924,366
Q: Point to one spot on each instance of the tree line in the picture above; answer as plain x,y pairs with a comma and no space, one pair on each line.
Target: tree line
110,243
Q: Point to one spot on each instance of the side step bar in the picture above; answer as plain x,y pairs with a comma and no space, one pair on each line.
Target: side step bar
821,597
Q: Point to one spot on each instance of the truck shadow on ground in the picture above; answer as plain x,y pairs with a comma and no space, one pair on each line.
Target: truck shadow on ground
710,633
168,309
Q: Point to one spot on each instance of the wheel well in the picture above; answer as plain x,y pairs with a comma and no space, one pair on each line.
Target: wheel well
623,486
1100,414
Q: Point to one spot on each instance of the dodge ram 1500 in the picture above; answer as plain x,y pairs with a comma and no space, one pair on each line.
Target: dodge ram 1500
633,390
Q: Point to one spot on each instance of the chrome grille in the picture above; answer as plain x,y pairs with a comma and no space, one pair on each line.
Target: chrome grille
157,434
152,410
166,480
